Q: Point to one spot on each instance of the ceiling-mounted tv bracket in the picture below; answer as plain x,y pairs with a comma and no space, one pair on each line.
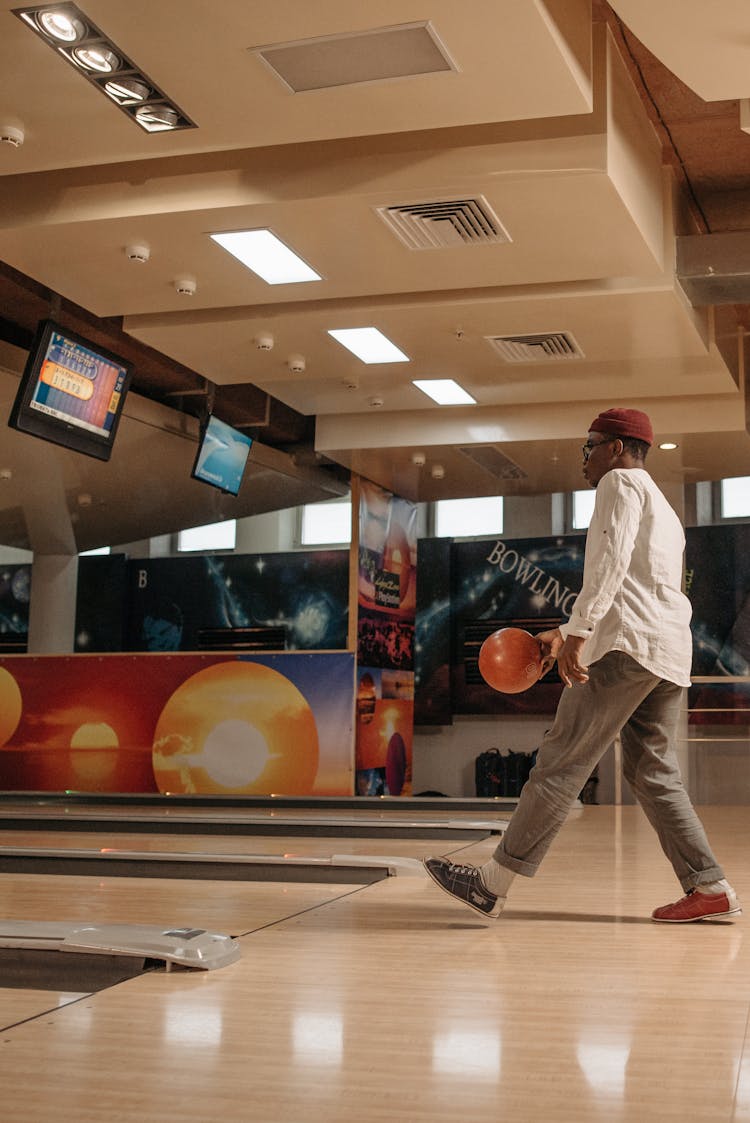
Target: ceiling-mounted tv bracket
201,400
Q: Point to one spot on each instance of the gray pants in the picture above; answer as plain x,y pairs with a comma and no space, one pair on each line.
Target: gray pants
620,697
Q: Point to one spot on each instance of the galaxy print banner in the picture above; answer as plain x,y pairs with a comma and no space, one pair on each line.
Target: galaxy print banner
15,594
528,583
279,724
717,580
387,581
101,603
432,638
296,601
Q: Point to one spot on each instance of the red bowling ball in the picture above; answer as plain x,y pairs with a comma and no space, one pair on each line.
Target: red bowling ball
510,660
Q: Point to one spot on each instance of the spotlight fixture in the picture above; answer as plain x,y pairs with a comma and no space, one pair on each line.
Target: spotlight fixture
59,24
127,91
72,35
668,446
97,59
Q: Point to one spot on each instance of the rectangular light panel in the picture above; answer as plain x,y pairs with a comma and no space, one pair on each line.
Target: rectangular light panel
263,253
369,345
444,391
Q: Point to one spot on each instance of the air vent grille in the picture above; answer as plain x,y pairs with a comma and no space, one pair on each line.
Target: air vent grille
538,348
445,223
493,461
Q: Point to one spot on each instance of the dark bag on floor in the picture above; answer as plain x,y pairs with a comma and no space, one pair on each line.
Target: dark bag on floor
488,773
502,774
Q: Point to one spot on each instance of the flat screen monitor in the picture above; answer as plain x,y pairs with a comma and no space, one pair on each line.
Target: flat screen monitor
72,392
222,456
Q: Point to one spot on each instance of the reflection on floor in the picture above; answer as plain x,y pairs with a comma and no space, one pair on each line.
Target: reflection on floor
391,1002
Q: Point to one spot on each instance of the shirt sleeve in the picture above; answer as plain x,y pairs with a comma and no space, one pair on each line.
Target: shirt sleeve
609,546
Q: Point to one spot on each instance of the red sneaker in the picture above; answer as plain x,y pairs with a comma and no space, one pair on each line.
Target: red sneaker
699,906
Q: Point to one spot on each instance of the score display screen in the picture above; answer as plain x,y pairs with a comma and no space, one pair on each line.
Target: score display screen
222,456
78,386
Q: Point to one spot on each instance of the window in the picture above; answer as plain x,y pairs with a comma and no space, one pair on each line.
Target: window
735,498
214,536
468,518
583,508
326,524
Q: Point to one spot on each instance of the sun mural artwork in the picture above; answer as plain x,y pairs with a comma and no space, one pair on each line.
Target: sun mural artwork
239,727
10,705
281,723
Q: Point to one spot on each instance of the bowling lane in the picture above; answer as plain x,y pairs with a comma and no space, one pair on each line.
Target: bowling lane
230,908
19,1005
312,846
224,906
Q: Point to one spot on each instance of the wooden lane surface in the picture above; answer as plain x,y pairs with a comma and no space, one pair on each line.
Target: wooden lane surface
390,813
311,846
228,907
394,1003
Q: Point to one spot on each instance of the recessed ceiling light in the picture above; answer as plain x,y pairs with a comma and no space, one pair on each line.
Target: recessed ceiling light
74,37
156,118
668,445
126,91
369,345
96,58
444,391
265,254
60,25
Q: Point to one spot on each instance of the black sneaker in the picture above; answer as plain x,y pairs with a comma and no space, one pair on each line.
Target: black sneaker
465,884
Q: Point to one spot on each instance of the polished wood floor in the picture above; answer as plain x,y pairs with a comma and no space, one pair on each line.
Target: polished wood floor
392,1002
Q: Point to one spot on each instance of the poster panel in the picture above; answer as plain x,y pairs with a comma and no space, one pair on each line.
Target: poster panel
528,583
174,603
433,704
717,580
15,594
386,594
194,724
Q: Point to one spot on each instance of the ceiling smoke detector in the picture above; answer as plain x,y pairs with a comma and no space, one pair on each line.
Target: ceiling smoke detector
186,286
137,253
10,134
437,472
264,342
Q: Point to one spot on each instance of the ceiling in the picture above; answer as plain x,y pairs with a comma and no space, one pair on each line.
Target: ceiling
597,139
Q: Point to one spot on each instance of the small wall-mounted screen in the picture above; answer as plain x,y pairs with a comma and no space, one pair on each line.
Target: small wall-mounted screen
72,392
222,456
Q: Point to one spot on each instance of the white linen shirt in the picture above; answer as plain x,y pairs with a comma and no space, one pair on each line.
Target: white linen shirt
631,599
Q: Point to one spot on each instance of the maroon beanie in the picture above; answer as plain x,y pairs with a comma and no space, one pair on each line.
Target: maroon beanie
624,423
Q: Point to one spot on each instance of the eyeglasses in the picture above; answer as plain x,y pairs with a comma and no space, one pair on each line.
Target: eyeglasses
589,447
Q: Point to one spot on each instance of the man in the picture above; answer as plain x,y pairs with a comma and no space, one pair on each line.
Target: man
631,622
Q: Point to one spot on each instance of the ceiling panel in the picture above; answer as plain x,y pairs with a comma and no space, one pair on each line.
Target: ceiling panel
553,115
535,63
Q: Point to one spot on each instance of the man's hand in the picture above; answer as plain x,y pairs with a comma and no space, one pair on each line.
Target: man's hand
567,652
569,664
550,642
